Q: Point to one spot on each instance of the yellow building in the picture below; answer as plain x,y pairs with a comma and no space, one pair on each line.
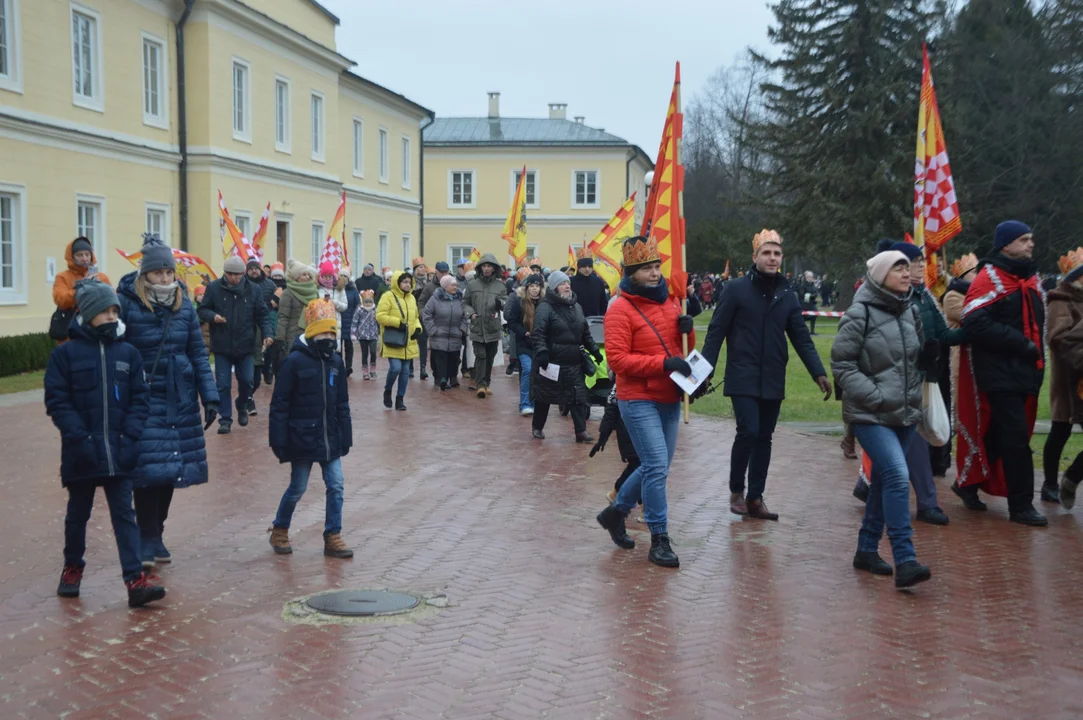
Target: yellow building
96,140
577,178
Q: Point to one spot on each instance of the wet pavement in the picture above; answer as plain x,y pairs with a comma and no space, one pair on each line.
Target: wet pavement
545,616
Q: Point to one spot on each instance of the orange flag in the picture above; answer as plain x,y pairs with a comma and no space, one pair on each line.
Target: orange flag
241,245
261,231
664,219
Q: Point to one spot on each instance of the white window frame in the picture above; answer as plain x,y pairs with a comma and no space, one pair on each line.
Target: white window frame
245,134
318,135
385,250
17,294
407,254
12,79
99,241
451,189
165,210
407,162
357,257
537,187
160,120
318,239
358,141
287,120
96,100
464,251
597,190
385,156
243,219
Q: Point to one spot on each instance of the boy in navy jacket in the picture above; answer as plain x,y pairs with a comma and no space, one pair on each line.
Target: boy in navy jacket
310,422
96,396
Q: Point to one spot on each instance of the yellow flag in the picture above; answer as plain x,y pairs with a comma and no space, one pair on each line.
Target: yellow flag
606,245
515,225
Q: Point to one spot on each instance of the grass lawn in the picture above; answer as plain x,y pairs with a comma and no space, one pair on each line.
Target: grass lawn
19,383
805,403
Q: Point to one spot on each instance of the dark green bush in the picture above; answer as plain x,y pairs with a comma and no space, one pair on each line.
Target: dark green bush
24,353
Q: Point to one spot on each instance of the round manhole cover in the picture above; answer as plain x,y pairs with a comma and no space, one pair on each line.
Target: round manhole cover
362,602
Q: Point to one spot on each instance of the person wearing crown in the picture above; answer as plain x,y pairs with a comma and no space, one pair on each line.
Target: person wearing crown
1064,333
754,317
962,273
1001,369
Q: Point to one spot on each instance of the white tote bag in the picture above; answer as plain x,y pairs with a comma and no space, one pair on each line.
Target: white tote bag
935,425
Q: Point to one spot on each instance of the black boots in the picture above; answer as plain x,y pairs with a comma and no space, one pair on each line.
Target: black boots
969,496
612,520
910,573
871,562
399,403
1028,516
141,592
387,398
1050,493
661,553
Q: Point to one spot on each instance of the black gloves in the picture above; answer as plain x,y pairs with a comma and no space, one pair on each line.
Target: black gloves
415,334
597,355
211,411
702,389
499,304
598,447
542,358
684,324
928,356
677,364
1033,352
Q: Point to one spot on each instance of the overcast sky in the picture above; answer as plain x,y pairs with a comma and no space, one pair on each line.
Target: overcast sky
609,60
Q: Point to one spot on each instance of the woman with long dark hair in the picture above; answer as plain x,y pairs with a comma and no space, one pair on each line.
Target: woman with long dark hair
520,312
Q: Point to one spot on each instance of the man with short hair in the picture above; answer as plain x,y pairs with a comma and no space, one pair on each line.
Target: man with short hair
234,309
483,304
442,270
754,316
1004,319
589,289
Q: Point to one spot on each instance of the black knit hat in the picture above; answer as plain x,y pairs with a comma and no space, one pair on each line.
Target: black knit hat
156,255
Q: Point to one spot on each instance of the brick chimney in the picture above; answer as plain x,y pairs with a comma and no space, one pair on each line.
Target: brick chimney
494,104
558,111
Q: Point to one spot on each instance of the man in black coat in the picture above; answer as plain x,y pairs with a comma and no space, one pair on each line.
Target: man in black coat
233,307
262,360
1004,319
754,316
589,289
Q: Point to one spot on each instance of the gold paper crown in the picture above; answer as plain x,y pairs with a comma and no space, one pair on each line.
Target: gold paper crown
417,261
1071,261
639,250
765,236
583,253
964,265
368,295
532,261
320,317
468,267
522,274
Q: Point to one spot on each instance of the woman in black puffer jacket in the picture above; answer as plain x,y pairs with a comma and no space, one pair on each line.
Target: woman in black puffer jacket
560,329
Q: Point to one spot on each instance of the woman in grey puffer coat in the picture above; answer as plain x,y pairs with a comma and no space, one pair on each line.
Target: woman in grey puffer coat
446,324
876,360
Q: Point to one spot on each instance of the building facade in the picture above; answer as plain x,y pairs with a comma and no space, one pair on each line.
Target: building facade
577,178
91,138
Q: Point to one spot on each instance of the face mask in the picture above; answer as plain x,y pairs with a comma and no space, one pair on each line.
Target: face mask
107,331
325,347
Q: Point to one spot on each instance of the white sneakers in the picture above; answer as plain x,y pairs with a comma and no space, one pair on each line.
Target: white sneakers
526,411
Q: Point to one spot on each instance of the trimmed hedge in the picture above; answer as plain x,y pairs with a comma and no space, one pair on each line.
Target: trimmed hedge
24,353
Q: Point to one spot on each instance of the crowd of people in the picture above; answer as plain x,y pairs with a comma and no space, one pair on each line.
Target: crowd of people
132,389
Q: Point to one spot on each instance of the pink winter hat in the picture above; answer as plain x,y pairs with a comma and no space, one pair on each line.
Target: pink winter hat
326,268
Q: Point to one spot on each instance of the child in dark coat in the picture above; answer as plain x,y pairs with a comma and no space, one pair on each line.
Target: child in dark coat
611,421
310,422
96,396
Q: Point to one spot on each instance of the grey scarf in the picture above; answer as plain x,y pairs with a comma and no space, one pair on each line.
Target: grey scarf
162,294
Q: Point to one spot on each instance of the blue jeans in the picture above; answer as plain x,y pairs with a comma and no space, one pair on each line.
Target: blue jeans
400,369
332,478
223,378
889,491
118,493
526,363
751,452
653,429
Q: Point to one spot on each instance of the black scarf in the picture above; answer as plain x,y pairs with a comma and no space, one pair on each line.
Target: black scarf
658,294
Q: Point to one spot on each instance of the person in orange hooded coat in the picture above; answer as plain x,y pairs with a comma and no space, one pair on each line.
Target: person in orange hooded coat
82,264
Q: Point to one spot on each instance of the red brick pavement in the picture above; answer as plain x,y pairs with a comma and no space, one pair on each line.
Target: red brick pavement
547,617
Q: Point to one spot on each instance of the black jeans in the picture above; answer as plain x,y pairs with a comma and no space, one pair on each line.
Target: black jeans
630,468
940,457
118,493
484,354
152,509
445,364
1008,439
368,347
541,414
347,354
756,419
1059,433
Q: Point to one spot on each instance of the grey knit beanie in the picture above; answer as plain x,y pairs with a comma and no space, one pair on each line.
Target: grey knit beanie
557,278
156,255
92,297
233,264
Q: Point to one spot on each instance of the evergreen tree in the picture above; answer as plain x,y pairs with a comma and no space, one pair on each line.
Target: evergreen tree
841,118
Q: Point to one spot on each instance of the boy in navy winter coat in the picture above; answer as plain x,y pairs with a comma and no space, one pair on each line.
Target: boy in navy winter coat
97,397
310,422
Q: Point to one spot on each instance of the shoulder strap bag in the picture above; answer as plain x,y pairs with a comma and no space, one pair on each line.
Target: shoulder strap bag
651,326
396,337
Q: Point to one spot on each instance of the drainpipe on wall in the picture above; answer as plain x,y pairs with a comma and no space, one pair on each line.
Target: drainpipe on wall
628,175
182,126
421,189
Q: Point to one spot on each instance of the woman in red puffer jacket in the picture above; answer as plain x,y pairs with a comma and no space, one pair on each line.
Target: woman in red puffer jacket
643,346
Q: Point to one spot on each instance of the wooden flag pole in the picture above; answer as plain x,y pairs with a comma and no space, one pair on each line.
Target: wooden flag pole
687,404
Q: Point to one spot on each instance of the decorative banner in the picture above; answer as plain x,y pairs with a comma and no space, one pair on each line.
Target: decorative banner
475,256
261,231
606,245
241,246
515,225
936,207
571,256
334,251
664,219
190,268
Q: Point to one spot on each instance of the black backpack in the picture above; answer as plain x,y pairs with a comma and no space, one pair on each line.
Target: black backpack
59,324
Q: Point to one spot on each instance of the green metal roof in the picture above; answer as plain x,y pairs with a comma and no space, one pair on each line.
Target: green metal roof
516,131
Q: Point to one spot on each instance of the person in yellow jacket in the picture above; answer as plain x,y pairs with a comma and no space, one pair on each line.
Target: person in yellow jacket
400,326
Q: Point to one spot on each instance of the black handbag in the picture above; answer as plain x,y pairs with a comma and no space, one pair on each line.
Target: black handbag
59,324
587,363
396,337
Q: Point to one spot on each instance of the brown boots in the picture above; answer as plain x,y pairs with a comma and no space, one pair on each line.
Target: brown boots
333,544
280,540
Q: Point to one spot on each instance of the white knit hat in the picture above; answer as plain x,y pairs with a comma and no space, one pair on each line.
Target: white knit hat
879,265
